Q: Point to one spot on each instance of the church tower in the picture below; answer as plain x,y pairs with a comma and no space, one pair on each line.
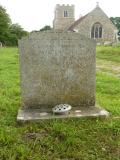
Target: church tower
64,17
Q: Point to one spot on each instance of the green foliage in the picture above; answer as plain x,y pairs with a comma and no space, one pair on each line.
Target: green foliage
45,28
116,22
83,139
9,33
16,32
4,25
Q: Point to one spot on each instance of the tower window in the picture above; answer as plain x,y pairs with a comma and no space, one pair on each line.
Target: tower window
96,31
65,13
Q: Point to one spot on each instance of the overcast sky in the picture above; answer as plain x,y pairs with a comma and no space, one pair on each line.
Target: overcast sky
35,14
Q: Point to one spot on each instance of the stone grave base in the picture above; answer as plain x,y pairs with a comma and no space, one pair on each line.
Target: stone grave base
39,114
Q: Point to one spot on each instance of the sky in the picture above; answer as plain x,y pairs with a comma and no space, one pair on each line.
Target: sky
35,14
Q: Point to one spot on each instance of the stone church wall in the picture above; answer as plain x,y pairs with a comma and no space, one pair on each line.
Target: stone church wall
60,22
108,29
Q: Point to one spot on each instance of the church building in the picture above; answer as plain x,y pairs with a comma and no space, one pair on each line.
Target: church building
95,24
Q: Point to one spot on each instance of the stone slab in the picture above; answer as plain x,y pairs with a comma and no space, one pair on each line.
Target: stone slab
77,112
57,68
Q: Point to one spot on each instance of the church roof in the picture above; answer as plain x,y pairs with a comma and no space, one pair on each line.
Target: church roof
77,22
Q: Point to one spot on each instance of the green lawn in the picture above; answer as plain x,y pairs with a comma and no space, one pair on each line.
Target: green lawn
71,139
109,53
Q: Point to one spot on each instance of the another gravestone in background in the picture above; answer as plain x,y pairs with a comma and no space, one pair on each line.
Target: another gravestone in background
57,68
0,44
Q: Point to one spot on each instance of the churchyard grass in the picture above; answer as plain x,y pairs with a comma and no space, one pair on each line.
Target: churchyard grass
110,53
75,139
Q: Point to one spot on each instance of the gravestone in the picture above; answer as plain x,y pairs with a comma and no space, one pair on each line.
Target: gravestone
57,68
0,44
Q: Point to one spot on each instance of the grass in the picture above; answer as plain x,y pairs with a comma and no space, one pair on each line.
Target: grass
108,92
109,53
73,139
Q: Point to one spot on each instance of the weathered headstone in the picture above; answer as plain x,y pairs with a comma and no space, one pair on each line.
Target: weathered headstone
56,68
0,44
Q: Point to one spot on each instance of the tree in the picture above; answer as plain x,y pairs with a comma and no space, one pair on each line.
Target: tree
116,22
45,28
5,23
9,33
16,32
